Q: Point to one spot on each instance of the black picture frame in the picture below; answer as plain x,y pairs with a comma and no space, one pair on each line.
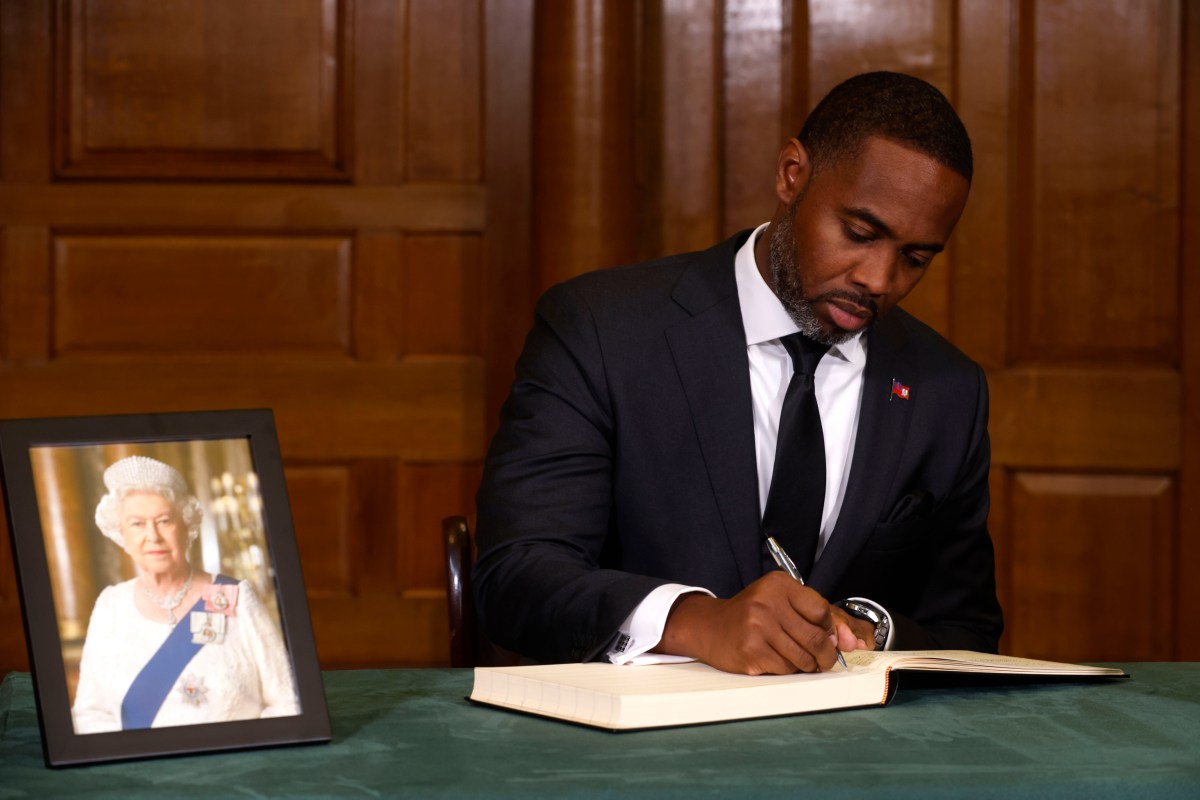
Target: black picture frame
62,746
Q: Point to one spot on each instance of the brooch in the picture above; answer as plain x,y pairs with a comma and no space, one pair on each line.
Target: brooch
192,690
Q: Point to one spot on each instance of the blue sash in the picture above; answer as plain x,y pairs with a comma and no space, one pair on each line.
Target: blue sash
152,685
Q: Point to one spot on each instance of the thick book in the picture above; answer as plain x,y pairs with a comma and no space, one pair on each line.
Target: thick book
663,695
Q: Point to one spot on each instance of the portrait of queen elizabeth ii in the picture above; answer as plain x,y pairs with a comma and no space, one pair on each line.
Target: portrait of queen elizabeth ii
174,645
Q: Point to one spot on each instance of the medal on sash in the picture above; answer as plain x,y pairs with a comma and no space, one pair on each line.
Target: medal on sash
207,628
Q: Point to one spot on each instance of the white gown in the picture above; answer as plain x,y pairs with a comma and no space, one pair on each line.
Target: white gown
246,676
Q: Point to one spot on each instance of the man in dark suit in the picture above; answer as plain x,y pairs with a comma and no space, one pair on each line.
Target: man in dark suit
628,494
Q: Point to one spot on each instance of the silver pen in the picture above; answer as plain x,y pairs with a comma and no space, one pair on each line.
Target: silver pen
787,565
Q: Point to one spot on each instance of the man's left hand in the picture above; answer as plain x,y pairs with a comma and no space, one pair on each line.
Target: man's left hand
861,629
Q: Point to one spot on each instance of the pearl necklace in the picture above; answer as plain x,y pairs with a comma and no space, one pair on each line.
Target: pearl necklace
169,604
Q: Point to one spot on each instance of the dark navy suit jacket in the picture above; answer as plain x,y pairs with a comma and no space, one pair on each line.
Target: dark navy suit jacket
625,460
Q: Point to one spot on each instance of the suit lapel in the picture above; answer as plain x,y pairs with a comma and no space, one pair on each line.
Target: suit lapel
709,350
878,447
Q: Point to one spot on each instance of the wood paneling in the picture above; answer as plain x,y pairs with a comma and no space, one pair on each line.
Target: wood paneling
1095,556
848,38
427,494
584,143
1096,272
448,268
445,131
214,90
378,292
681,125
256,294
1082,418
26,93
170,240
25,292
320,498
381,73
481,149
509,280
423,409
1187,566
756,122
431,206
979,309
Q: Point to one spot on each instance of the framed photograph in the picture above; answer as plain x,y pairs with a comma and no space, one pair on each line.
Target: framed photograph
161,590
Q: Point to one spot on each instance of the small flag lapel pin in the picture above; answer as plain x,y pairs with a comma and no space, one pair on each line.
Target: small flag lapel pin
898,390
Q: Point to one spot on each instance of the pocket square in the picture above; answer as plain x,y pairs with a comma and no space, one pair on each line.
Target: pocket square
912,506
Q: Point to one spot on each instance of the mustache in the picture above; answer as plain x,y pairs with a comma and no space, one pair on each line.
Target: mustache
861,300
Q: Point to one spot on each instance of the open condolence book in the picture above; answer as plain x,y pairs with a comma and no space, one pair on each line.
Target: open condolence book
661,695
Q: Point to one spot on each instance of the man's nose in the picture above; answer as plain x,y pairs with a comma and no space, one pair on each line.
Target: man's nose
874,272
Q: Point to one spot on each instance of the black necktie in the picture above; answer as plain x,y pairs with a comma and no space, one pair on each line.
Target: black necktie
797,494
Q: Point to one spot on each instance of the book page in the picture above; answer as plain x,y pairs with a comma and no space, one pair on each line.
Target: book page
656,678
970,661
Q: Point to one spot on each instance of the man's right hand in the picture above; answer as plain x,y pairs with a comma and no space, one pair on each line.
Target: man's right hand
773,626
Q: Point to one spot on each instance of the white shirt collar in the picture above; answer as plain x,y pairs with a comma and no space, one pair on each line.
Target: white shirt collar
764,318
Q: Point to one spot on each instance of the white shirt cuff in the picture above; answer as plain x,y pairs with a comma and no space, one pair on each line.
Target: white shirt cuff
880,610
643,628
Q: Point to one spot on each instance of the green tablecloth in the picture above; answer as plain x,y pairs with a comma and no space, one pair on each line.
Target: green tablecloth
411,733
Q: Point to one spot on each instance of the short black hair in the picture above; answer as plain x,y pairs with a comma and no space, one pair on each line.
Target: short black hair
904,109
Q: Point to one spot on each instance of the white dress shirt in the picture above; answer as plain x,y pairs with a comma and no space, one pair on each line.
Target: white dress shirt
838,387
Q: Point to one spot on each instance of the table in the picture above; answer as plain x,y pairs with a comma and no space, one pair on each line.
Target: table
410,733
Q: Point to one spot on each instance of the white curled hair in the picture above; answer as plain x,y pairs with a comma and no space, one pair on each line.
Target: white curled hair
147,475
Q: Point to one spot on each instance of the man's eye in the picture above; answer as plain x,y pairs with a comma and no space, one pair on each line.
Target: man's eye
916,261
858,236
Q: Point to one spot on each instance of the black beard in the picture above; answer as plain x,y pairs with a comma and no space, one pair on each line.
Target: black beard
786,276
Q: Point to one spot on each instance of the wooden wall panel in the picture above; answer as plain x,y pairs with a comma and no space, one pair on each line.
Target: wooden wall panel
427,409
1188,565
445,134
508,281
584,137
978,313
427,494
378,293
1098,183
445,267
26,92
25,292
255,294
320,498
1096,558
681,125
169,90
255,207
756,123
1075,418
848,38
380,75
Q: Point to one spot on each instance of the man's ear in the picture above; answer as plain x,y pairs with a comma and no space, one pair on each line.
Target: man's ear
793,171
